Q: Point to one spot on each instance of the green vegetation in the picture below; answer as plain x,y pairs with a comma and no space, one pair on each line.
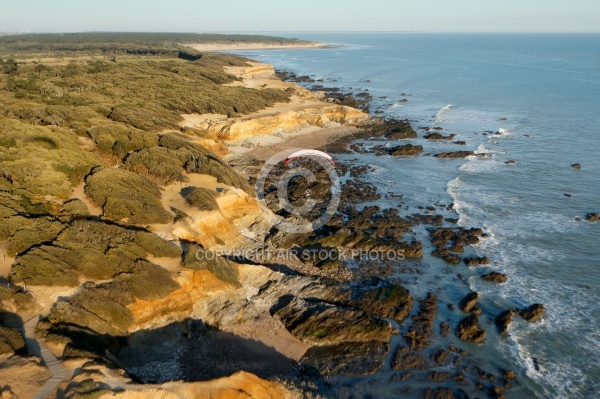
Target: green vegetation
203,199
112,43
105,110
91,249
124,195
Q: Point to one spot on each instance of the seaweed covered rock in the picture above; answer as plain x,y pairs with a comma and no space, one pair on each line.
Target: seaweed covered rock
354,358
533,313
495,277
382,299
124,195
503,321
454,154
321,323
470,330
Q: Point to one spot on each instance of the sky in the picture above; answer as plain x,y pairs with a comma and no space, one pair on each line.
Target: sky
300,15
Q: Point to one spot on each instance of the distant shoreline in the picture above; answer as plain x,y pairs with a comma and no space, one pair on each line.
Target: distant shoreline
255,46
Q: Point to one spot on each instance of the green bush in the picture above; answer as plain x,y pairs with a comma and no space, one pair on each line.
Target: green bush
119,139
10,340
197,159
203,199
123,195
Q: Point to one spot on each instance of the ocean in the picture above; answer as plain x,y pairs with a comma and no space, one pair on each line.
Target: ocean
539,96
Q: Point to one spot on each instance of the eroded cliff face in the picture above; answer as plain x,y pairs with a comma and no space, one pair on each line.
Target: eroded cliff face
314,115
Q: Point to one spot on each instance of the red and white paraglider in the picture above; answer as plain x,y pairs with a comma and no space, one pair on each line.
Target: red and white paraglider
308,153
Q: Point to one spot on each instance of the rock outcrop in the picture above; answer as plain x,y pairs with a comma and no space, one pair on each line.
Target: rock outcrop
470,330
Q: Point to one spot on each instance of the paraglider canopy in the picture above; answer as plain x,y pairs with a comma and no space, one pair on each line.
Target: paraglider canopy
308,153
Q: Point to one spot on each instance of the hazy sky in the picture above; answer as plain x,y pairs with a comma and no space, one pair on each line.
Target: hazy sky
304,15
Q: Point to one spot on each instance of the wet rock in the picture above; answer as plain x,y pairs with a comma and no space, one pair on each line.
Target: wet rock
406,359
382,298
592,217
438,136
321,323
509,375
460,142
470,330
510,162
532,313
576,166
434,220
503,320
421,330
476,261
438,376
455,154
407,150
438,393
354,359
469,302
444,329
495,277
441,357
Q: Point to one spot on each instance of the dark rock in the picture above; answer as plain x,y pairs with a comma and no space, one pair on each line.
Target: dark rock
494,277
441,357
532,313
405,359
470,330
321,323
476,261
511,162
421,330
460,142
434,220
407,150
438,376
469,302
382,298
592,217
503,321
444,329
438,393
438,136
576,166
509,375
354,359
454,154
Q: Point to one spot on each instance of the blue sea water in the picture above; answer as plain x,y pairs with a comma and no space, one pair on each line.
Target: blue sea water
542,94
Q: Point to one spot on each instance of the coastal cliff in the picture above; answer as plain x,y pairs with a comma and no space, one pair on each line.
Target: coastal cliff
134,241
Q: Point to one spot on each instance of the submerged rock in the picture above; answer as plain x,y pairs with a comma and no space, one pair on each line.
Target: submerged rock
576,166
476,261
470,330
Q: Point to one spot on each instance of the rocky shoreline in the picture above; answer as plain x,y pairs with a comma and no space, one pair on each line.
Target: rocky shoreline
303,325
